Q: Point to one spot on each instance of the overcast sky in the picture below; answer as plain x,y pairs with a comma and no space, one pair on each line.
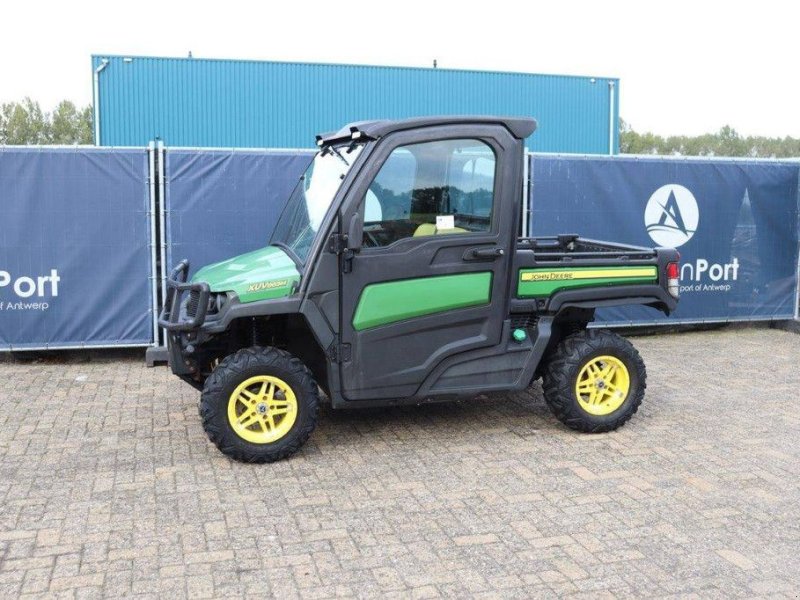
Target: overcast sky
685,66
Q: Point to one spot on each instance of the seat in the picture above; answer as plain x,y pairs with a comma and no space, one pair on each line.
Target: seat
430,229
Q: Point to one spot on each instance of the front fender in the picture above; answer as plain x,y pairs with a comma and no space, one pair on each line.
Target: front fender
234,309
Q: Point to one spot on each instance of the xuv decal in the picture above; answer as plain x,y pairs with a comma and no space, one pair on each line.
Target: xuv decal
267,285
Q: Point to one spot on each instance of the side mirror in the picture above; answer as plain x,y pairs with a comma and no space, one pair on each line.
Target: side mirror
355,233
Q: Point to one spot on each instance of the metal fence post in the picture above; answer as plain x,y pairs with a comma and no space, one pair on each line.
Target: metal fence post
797,274
162,224
151,181
158,353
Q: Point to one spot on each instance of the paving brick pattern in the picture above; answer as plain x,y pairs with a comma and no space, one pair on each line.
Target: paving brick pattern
109,487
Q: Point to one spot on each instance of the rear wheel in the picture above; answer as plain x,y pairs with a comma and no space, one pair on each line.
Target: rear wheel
594,381
259,405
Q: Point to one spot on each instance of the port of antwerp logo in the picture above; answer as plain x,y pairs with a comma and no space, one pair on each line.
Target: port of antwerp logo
671,216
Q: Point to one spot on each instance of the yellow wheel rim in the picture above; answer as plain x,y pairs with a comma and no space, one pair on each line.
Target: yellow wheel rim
262,409
603,385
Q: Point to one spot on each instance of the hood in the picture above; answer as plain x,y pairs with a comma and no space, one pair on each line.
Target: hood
259,275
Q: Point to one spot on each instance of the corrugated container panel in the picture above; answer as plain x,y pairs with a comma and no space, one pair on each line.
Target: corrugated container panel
243,104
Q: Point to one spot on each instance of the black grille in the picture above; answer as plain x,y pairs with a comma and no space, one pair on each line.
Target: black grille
522,321
194,300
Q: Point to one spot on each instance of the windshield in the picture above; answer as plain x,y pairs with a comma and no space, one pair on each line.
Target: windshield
311,198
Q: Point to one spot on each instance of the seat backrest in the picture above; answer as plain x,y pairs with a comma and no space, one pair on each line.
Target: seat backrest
430,229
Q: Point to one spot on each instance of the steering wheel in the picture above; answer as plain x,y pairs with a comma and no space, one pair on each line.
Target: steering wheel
370,237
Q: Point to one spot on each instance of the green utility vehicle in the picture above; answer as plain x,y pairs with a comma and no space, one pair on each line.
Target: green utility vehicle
396,275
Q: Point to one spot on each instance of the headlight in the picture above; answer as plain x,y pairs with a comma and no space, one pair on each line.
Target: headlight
216,300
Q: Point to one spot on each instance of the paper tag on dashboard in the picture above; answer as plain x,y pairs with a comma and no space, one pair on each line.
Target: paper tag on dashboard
445,221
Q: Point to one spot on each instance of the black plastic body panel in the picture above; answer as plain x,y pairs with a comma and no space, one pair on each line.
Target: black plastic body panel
394,359
510,365
519,127
237,310
517,365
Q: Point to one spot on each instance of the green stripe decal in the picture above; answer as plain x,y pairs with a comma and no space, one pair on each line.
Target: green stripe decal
392,301
544,282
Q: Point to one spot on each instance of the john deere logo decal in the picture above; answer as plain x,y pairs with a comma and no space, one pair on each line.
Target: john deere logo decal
267,285
547,275
671,215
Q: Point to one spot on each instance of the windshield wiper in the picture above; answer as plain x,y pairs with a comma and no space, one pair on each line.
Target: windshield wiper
339,154
289,252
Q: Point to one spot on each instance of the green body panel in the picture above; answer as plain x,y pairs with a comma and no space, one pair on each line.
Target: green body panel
259,275
545,281
392,301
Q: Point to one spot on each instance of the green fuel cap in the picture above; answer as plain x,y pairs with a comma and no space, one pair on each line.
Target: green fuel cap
519,335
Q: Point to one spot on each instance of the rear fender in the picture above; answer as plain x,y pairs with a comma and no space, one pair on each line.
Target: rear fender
648,295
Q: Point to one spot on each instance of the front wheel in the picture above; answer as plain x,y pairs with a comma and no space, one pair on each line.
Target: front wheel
594,381
259,404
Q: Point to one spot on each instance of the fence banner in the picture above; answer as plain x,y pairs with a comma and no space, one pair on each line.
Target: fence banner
75,262
734,222
221,203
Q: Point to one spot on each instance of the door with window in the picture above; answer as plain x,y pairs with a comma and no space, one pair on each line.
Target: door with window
431,278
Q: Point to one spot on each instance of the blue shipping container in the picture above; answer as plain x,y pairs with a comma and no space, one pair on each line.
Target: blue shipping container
253,104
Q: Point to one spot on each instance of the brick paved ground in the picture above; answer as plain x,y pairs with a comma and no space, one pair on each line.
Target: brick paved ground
109,487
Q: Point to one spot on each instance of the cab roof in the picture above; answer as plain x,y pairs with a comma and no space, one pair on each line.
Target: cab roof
519,127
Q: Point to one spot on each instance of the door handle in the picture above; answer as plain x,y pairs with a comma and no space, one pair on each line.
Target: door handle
484,253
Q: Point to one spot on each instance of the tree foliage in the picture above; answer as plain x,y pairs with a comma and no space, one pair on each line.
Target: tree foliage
726,142
25,123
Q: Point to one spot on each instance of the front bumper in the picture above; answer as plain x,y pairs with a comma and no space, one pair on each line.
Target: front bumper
171,317
181,325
